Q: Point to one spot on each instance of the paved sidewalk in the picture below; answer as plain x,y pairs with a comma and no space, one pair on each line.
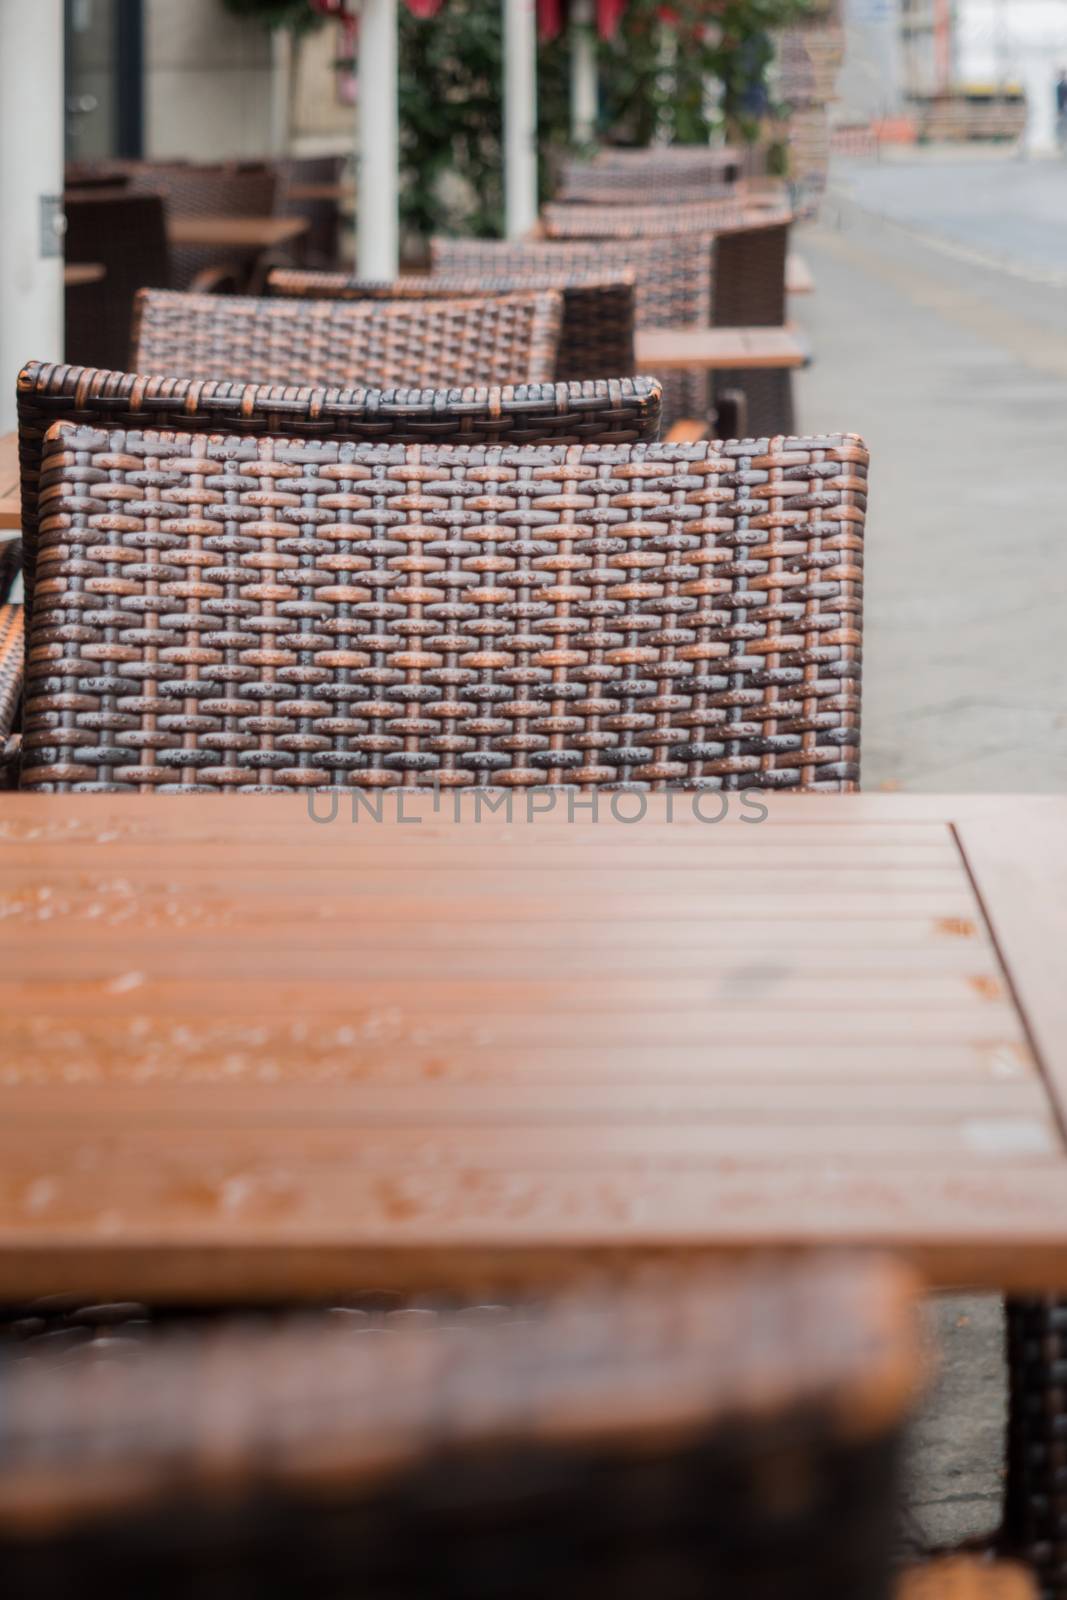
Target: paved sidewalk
956,374
957,377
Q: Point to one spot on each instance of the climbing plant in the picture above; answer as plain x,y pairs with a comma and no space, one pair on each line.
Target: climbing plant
684,72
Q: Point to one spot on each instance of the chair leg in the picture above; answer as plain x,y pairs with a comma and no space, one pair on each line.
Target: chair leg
1035,1505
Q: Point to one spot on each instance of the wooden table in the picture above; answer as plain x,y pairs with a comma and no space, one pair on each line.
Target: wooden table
344,193
10,509
78,273
236,233
717,349
245,1053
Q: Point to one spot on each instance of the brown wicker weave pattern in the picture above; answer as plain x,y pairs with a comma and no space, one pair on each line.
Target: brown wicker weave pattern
623,410
669,1438
11,665
239,613
718,161
582,184
673,278
652,221
508,339
596,334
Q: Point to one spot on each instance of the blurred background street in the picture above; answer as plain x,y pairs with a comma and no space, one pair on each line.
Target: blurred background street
954,368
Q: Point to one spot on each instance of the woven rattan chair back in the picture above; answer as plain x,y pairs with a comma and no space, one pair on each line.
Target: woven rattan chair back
683,1435
596,333
653,221
244,614
189,189
723,161
379,344
581,183
672,276
622,410
126,234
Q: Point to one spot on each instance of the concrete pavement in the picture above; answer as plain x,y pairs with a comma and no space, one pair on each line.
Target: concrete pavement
956,375
951,360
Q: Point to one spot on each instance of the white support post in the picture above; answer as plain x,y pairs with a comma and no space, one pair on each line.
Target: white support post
281,90
31,184
379,142
584,98
520,116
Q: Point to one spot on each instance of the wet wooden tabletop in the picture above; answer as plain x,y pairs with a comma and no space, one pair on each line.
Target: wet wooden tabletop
235,232
247,1052
717,349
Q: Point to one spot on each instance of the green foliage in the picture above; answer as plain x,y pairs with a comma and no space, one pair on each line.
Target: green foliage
451,71
653,73
653,78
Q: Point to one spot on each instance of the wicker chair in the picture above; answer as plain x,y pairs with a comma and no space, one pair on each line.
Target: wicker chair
320,247
525,654
677,1436
127,234
192,190
448,343
673,279
751,249
732,279
596,335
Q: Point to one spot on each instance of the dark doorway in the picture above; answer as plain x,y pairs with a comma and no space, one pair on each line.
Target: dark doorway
104,78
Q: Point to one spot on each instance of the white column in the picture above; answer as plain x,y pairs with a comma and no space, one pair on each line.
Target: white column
379,225
520,116
31,167
281,90
584,105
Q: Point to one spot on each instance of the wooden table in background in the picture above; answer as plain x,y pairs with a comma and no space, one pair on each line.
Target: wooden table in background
343,193
716,349
236,233
10,508
247,1053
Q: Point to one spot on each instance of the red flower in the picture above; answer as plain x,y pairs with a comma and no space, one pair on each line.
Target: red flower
608,16
549,19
